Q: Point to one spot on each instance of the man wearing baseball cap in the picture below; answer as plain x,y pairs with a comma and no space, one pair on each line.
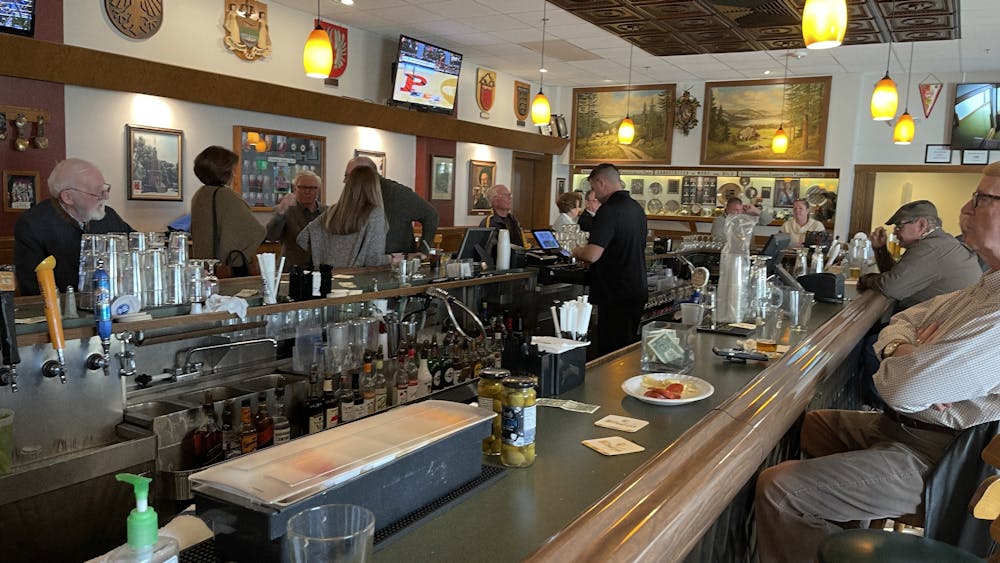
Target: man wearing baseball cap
934,262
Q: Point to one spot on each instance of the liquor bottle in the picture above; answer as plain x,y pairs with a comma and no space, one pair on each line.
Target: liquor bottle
451,362
331,404
314,407
248,434
467,363
412,382
264,423
401,382
497,349
430,353
425,381
346,397
208,436
230,437
381,389
477,357
282,427
359,399
368,388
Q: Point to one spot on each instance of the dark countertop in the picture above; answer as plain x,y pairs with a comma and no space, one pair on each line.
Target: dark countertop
510,518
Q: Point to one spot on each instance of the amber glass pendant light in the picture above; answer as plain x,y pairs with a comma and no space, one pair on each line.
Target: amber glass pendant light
541,112
317,57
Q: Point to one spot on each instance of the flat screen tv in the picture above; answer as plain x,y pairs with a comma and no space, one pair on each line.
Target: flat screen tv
975,117
17,17
425,76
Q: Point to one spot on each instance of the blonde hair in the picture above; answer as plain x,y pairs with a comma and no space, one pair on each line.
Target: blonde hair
362,193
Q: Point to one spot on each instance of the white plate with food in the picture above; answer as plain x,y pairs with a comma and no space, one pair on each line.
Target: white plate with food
656,388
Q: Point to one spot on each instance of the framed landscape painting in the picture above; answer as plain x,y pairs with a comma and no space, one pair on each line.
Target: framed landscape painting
155,163
741,117
598,111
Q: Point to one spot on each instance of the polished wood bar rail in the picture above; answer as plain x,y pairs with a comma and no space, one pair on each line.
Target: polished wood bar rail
661,510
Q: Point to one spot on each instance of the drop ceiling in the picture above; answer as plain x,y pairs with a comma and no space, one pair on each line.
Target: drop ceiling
588,41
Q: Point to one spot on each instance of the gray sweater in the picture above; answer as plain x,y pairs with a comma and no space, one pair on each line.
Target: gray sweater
363,248
402,207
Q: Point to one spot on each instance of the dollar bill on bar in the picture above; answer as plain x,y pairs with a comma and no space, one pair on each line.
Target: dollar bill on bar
567,405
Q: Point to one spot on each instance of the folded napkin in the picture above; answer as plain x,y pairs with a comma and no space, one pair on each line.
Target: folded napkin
235,305
554,345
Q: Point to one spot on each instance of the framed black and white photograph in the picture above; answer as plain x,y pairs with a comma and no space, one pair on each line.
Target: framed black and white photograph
20,190
561,185
442,177
975,156
155,162
377,157
937,154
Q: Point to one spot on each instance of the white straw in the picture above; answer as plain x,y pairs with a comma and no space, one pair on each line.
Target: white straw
555,321
277,276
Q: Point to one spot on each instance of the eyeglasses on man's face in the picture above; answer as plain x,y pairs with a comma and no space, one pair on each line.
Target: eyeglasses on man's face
307,188
977,196
105,192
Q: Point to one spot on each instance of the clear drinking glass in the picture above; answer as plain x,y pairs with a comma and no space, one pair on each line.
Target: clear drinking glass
344,533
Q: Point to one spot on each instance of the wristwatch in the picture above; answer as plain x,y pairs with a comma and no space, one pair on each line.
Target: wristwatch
890,348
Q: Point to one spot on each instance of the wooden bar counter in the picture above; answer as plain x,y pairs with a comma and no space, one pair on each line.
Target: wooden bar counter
574,504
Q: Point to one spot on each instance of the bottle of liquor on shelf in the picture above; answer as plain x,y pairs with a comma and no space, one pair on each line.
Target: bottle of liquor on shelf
208,436
282,427
430,355
401,382
314,407
367,386
359,399
230,436
264,423
379,380
346,398
331,404
412,381
497,349
248,434
468,361
452,361
425,381
476,359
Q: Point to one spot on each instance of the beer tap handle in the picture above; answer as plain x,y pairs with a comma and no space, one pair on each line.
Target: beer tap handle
8,337
45,271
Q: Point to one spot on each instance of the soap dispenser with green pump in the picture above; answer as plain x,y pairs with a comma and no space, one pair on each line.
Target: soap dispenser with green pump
144,543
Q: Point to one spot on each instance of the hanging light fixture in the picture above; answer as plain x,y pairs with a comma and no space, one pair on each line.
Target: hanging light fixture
885,98
779,142
317,57
626,129
903,133
824,23
541,112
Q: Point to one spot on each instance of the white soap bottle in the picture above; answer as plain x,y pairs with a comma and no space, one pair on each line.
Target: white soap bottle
144,543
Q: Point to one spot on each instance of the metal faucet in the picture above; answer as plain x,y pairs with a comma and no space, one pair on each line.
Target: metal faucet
186,368
9,374
126,358
449,300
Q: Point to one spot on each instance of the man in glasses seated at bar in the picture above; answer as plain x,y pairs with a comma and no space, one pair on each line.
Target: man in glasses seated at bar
292,214
938,377
78,205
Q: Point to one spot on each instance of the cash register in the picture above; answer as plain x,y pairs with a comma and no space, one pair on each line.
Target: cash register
555,263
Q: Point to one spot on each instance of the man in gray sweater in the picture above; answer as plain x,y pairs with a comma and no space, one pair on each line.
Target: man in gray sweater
402,207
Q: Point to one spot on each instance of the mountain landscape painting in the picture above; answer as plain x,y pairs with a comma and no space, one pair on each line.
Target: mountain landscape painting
597,112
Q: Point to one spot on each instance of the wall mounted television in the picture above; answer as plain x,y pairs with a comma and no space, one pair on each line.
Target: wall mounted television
975,117
17,17
425,76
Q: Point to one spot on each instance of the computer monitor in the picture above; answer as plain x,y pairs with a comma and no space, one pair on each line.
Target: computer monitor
774,246
479,244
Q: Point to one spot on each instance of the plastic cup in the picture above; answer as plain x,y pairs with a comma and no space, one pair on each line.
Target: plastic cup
692,313
6,440
344,533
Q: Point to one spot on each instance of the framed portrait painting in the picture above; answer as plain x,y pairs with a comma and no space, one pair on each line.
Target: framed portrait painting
155,163
598,111
20,190
442,177
270,160
377,157
482,175
741,117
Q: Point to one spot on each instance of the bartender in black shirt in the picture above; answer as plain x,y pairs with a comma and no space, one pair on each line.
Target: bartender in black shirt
616,254
502,217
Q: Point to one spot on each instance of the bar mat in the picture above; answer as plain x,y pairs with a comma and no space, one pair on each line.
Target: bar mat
204,552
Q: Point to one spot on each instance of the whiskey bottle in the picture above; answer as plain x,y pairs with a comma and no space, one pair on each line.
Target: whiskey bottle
248,434
264,423
282,427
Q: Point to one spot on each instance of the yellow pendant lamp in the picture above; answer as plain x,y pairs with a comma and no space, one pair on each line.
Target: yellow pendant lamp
626,129
885,98
779,142
905,129
824,23
317,57
541,112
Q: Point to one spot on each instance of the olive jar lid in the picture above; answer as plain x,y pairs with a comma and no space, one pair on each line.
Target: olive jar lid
518,381
494,373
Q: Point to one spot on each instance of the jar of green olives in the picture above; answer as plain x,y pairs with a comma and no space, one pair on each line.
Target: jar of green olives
490,395
517,418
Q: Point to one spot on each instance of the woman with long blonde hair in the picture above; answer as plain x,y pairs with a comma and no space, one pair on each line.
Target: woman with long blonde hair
351,233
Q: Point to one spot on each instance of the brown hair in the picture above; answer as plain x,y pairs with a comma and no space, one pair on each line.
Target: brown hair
568,201
214,166
362,193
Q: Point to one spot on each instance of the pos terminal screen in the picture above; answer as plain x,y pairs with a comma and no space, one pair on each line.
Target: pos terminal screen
546,239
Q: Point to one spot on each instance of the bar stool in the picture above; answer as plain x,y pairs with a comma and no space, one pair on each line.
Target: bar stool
865,545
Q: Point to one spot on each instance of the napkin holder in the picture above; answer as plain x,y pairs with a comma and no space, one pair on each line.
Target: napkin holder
557,373
826,286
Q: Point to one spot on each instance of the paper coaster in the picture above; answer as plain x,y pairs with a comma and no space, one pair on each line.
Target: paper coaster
622,423
613,445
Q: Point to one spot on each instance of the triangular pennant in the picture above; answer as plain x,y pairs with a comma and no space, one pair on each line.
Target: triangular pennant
929,92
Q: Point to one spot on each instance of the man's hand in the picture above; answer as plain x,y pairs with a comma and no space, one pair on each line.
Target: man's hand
867,282
751,210
925,335
285,203
878,238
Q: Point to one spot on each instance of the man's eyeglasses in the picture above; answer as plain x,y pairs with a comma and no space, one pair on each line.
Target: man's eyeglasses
307,188
105,191
978,195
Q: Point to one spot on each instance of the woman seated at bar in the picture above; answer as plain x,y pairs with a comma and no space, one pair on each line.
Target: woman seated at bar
801,223
570,205
351,233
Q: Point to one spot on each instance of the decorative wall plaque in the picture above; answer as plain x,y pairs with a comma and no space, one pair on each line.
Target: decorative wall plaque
486,85
246,29
522,101
138,20
338,39
686,112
